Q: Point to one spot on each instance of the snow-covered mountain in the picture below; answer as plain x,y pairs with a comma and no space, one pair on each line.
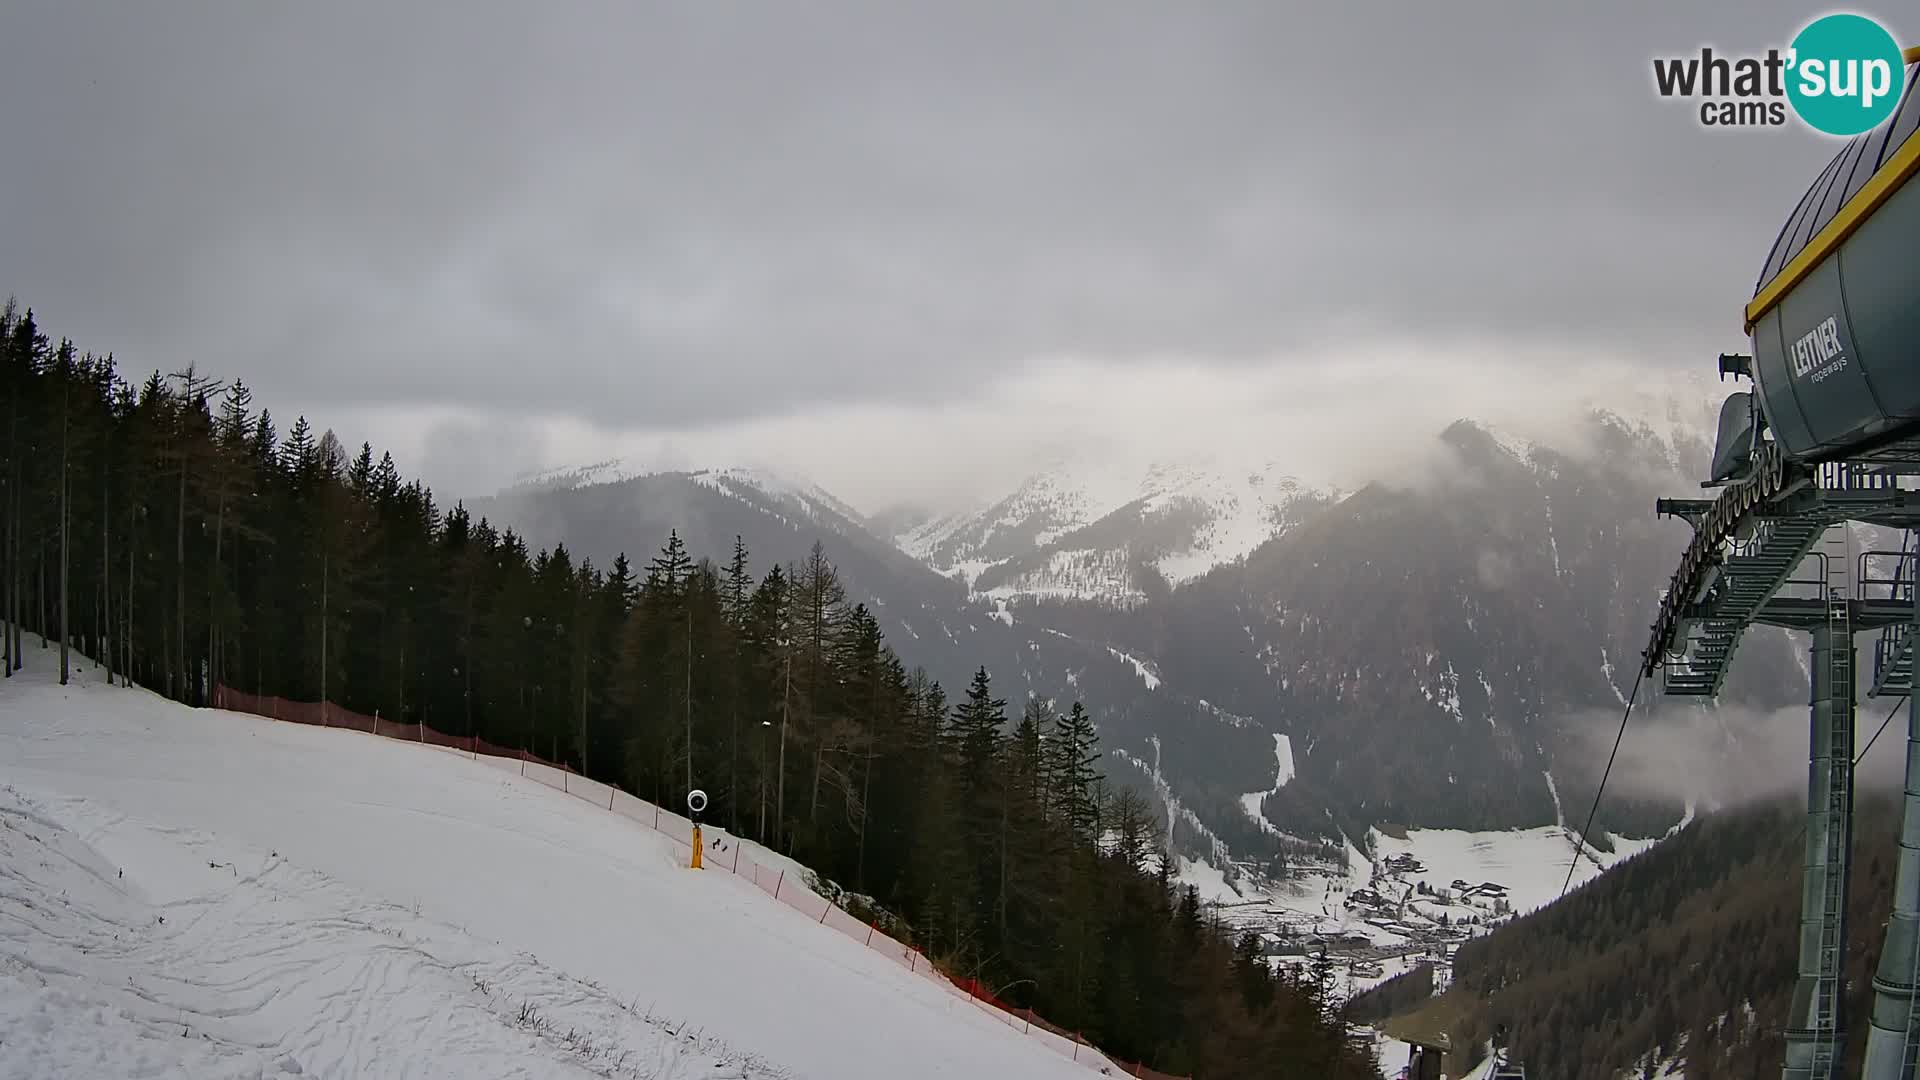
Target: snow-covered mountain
803,499
1116,532
1429,649
608,508
929,619
1440,650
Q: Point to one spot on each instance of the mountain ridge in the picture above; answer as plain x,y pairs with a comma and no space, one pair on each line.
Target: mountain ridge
1115,532
1425,644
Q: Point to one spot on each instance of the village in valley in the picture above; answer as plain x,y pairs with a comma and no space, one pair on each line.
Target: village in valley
1363,923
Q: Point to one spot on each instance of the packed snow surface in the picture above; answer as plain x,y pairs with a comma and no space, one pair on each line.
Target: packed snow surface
193,893
209,961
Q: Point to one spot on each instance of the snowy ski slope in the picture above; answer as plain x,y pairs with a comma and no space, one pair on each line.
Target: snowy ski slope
193,893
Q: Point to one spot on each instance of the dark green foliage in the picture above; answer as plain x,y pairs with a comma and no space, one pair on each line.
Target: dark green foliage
204,549
1691,943
1402,993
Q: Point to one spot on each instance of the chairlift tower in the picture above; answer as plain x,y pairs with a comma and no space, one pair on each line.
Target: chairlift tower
1829,436
1795,564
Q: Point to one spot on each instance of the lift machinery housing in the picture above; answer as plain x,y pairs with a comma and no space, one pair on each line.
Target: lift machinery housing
1828,435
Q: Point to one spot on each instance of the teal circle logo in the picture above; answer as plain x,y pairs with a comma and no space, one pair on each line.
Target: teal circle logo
1844,74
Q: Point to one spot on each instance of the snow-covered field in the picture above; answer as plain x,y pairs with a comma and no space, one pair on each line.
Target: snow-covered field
210,961
192,893
1530,863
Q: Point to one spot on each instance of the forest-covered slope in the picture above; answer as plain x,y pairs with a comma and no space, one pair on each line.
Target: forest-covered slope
1686,951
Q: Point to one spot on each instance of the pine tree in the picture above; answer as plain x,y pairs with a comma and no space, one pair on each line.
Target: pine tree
978,724
192,450
1030,764
64,375
738,611
820,619
770,631
1072,772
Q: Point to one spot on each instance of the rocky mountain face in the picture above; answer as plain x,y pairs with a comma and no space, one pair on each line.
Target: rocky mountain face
1436,652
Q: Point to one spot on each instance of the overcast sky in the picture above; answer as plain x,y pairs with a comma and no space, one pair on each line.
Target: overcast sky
902,247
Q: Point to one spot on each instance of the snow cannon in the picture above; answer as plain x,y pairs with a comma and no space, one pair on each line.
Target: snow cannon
1835,316
696,804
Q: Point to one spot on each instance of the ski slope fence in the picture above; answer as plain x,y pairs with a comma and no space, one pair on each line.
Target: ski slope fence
724,853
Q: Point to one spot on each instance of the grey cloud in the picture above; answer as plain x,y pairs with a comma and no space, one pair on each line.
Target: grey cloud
470,457
666,216
1731,755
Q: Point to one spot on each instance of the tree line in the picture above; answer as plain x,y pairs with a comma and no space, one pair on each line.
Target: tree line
170,533
1687,950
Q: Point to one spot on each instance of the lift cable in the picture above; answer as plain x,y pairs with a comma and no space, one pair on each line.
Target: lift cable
1580,839
1631,699
1877,731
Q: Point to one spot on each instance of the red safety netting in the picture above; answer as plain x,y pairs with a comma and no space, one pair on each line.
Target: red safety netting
720,851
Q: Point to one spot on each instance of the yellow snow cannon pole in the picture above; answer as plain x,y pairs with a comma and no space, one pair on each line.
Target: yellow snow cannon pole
696,802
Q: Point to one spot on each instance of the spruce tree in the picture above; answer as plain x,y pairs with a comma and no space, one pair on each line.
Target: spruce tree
738,610
1072,771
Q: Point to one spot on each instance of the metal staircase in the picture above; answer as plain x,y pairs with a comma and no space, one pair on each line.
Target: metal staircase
1763,553
1893,651
1753,570
1836,559
1896,641
1763,547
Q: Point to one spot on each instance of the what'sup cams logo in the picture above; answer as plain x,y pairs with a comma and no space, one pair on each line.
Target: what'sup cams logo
1842,75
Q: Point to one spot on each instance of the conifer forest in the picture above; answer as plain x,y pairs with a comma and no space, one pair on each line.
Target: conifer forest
170,530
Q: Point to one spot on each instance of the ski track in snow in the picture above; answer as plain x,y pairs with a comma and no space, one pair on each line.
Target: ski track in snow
383,909
210,962
1283,762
